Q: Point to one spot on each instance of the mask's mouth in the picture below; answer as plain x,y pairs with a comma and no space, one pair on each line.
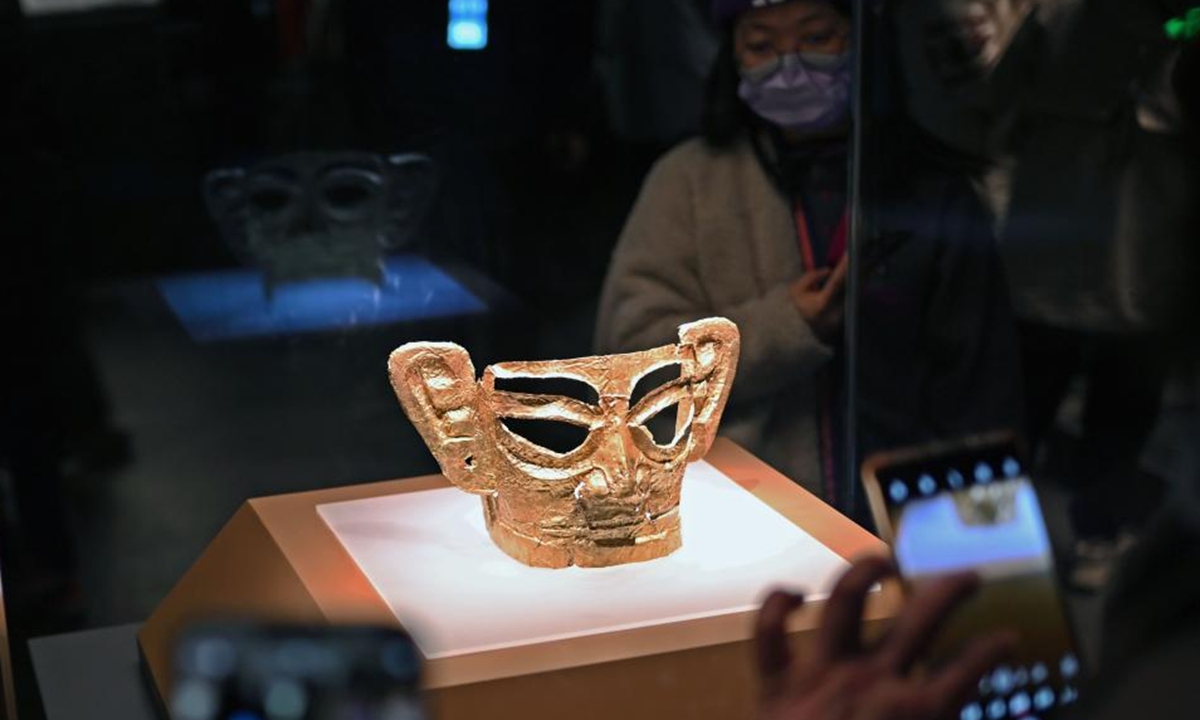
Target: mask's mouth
615,518
611,516
626,516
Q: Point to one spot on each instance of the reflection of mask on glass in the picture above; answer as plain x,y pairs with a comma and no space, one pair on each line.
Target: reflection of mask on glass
804,92
612,500
319,215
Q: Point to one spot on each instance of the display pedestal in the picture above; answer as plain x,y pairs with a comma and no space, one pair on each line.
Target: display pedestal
665,638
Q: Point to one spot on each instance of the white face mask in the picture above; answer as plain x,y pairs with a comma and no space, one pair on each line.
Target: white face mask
948,50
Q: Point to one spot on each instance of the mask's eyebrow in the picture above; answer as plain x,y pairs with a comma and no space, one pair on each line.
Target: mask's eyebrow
553,386
581,369
526,406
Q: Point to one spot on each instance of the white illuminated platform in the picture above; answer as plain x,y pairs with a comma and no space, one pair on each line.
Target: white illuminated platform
429,557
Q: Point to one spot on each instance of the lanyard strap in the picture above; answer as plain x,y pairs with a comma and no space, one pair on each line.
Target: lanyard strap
837,246
826,423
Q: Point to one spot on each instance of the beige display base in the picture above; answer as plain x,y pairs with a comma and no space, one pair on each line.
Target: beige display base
277,560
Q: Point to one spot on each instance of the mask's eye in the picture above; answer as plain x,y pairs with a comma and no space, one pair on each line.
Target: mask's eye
653,381
663,426
555,412
348,193
657,402
270,200
272,193
561,386
560,437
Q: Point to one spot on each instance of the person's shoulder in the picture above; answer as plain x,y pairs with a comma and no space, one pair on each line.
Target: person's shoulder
697,157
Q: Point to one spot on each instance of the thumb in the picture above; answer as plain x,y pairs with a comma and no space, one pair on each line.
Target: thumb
811,281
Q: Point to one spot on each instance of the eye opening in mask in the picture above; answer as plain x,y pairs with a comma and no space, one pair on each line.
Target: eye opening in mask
272,190
349,190
651,381
557,436
557,386
346,194
270,200
531,426
661,414
663,426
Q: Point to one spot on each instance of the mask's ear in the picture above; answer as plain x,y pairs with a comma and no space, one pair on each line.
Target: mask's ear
413,181
435,383
225,198
710,354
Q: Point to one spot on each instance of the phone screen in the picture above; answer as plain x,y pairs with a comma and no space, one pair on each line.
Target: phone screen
975,508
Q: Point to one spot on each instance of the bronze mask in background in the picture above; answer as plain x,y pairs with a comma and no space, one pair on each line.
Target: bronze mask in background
612,500
317,215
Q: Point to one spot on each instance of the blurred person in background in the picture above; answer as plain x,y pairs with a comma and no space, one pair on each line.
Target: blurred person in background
1065,110
750,221
1151,624
652,59
52,407
1095,242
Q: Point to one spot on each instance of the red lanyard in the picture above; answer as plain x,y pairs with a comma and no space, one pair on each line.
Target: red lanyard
837,248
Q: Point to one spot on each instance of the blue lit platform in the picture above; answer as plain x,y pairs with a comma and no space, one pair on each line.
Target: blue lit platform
232,304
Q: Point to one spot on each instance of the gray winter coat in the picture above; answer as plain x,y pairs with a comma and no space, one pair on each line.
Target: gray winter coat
711,235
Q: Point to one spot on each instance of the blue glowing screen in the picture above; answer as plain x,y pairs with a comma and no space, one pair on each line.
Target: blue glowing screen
932,537
468,25
230,304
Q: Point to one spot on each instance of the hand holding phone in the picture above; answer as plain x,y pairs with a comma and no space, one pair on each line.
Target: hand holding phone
869,679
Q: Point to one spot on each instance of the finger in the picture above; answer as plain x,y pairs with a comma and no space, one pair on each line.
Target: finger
958,681
839,633
813,280
837,279
925,614
772,652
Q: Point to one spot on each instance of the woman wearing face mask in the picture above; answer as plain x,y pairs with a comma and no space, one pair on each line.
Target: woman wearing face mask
750,222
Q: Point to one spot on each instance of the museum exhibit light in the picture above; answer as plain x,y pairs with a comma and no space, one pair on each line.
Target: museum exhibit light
233,304
612,500
468,25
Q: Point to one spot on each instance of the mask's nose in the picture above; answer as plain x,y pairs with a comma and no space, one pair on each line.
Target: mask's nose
615,471
307,221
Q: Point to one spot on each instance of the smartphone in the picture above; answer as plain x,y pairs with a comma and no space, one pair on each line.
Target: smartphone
260,672
970,505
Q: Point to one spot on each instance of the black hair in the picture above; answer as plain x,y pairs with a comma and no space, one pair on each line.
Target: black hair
724,117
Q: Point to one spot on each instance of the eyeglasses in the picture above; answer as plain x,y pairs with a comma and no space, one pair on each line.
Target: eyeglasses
812,60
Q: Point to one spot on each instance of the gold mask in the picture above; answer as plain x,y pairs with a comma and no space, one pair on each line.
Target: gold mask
612,500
